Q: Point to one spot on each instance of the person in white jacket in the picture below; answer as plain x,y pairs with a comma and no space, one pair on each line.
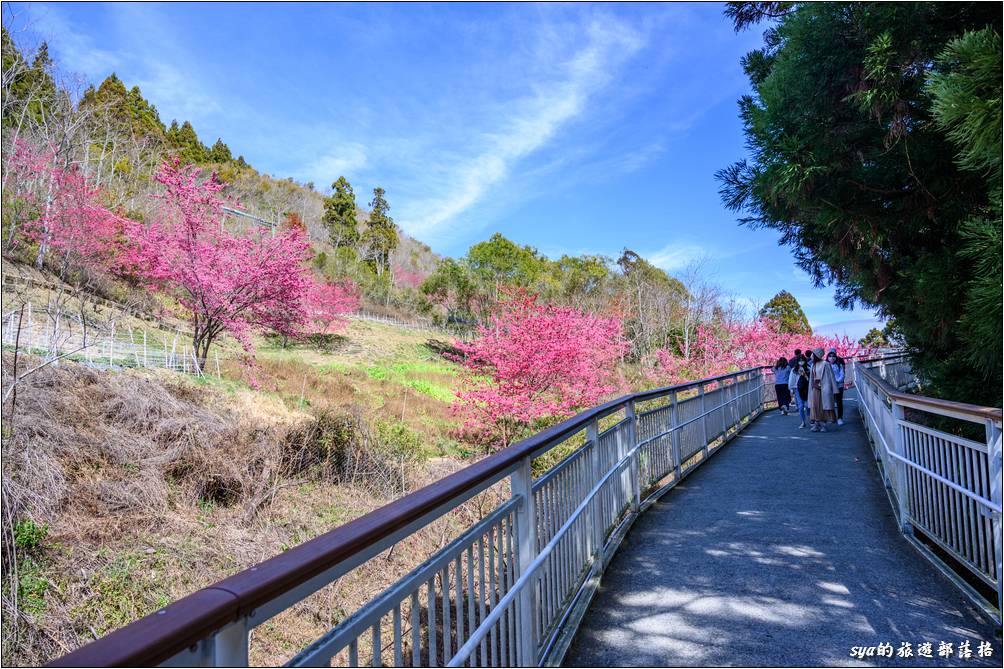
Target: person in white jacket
798,384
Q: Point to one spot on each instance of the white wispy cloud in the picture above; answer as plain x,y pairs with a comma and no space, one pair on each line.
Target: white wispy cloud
76,51
523,126
179,90
179,93
343,159
676,256
855,329
799,275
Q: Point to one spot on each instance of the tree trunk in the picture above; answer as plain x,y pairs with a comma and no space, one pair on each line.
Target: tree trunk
201,341
45,229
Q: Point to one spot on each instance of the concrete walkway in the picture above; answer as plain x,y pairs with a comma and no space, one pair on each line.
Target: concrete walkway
781,551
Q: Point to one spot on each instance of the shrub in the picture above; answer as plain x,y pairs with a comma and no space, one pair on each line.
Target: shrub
30,536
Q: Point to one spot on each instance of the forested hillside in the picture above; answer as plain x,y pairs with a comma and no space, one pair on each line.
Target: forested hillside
116,139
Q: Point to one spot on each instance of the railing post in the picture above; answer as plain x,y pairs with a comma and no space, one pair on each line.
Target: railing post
741,399
598,531
723,404
741,396
674,417
632,441
526,537
994,465
899,479
704,423
231,645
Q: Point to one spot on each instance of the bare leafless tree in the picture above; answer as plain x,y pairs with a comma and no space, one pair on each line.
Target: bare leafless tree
702,296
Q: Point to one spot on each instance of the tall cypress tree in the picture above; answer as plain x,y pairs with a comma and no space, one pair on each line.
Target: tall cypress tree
31,85
380,237
340,215
220,153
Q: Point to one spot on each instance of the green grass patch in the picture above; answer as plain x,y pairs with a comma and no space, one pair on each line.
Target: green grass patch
31,587
436,391
414,375
30,536
122,590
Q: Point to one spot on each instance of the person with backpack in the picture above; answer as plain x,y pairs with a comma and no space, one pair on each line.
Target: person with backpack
798,386
838,375
781,374
792,363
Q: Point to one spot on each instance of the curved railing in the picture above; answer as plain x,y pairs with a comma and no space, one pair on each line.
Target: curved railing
942,485
510,589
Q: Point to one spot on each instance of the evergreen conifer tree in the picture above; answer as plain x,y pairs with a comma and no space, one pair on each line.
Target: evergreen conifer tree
380,237
785,310
340,215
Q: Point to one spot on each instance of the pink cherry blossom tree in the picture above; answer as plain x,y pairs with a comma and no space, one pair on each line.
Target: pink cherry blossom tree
327,304
240,283
62,214
408,278
534,362
728,347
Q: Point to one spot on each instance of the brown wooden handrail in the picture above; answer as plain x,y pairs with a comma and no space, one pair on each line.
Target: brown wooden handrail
183,623
979,413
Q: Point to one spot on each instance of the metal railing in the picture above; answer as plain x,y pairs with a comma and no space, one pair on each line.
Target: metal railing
510,589
942,485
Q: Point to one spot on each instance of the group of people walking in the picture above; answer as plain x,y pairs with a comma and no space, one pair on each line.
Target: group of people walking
816,384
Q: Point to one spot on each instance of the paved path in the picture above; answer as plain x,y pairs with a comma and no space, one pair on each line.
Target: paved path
782,550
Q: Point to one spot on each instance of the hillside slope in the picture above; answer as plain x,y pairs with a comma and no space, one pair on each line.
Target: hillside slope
126,490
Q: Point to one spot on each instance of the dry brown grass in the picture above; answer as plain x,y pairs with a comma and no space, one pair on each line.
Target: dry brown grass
151,486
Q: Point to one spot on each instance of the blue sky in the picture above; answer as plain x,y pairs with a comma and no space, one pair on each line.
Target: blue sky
575,128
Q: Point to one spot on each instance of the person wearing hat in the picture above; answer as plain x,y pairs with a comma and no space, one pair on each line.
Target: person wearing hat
822,388
837,363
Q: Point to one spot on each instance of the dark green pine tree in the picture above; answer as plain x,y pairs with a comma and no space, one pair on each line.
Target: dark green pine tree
145,119
220,153
31,85
852,167
785,310
108,98
380,237
967,95
185,142
874,338
340,215
128,112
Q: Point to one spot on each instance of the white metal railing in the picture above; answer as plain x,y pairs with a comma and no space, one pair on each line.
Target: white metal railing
943,485
498,595
507,591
